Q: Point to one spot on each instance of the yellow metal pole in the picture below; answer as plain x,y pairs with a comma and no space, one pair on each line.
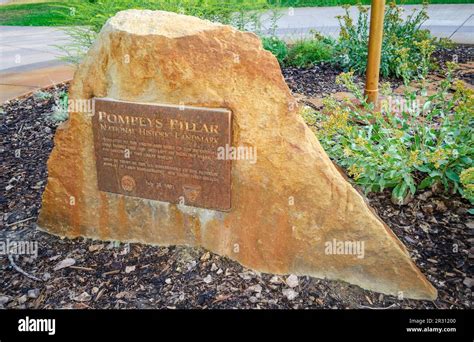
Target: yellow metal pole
377,10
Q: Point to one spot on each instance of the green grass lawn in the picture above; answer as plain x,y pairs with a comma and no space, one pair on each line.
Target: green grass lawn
39,14
52,14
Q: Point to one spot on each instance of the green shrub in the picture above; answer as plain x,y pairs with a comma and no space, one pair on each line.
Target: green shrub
42,95
467,181
406,49
408,145
60,109
310,52
276,46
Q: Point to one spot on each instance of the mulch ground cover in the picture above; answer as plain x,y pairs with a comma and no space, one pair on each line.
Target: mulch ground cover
435,227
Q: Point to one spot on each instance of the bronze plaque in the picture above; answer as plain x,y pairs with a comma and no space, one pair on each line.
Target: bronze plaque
163,152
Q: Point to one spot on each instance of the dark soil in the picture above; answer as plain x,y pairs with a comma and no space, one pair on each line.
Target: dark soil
461,54
458,54
320,80
437,231
315,81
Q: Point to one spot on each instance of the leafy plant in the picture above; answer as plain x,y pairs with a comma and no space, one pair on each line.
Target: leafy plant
467,181
276,46
306,53
406,48
42,95
275,14
60,108
412,143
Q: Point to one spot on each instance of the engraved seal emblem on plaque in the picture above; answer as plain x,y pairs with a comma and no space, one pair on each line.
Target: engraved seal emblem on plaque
191,192
128,183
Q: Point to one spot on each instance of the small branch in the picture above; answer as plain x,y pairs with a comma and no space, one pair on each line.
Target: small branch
10,258
372,308
82,268
21,221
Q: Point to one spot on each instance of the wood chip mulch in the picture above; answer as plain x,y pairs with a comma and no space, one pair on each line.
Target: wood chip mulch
82,273
320,80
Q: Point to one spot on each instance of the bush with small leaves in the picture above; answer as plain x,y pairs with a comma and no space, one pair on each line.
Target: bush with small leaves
467,181
411,143
60,108
277,47
307,53
42,95
406,48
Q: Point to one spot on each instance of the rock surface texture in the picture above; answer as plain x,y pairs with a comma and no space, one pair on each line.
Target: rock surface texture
286,208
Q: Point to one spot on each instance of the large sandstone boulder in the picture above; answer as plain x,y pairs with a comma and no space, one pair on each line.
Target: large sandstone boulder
287,209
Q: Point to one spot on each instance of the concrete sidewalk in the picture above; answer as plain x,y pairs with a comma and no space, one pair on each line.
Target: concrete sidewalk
29,59
451,21
42,75
21,46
